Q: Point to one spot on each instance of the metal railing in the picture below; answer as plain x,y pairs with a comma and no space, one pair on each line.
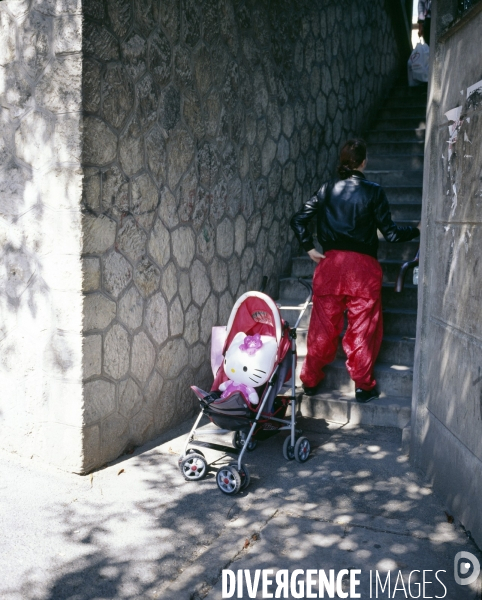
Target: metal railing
411,264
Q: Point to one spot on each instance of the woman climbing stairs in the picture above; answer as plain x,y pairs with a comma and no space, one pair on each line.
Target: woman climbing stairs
395,160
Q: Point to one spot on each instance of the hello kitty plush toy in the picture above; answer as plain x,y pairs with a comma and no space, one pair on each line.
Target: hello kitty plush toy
248,363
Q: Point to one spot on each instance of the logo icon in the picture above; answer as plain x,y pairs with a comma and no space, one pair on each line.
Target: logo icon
465,562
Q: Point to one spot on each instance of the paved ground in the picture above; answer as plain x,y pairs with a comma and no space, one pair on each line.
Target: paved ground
136,530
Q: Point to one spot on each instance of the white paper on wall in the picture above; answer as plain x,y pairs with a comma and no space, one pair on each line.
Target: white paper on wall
473,88
454,114
454,200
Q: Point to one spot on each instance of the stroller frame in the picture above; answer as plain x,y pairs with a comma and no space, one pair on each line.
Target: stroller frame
294,447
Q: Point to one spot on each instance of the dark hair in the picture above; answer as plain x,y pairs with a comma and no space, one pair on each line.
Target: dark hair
352,155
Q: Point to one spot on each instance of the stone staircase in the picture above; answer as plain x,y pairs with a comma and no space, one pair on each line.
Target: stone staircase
395,160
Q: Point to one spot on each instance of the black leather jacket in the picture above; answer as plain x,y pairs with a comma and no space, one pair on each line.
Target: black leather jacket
348,214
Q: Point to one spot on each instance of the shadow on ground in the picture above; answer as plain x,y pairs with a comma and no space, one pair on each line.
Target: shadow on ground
136,530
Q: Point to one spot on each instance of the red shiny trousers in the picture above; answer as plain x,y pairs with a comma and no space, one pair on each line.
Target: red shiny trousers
345,281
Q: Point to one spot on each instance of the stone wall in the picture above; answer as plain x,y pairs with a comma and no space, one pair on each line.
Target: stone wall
205,126
447,401
40,230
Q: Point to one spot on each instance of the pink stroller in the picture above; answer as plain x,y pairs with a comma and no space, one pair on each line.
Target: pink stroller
253,358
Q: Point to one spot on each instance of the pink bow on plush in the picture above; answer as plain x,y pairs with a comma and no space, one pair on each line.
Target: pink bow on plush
251,344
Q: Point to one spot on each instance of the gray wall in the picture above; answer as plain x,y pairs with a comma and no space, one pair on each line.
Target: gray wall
41,398
447,410
205,125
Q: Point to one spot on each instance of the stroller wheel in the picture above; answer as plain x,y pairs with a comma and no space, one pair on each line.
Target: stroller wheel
244,474
302,449
239,438
188,451
288,449
194,467
194,451
228,480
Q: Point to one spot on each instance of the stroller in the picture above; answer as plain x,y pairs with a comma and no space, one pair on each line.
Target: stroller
256,347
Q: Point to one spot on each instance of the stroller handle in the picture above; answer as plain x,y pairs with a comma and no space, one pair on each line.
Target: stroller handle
308,287
307,301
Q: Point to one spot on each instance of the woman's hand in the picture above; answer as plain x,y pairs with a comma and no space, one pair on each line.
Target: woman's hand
315,255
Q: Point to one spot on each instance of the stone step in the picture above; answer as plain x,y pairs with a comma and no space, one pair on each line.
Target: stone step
394,350
290,289
401,222
393,379
399,111
399,123
391,269
386,411
395,161
400,321
406,211
404,194
303,266
401,252
390,331
407,299
396,322
395,177
404,93
418,102
410,134
400,148
391,301
397,350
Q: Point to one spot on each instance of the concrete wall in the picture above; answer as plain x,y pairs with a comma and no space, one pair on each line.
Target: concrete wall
447,410
205,125
40,230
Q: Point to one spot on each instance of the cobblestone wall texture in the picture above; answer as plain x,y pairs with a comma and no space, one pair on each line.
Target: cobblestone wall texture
205,125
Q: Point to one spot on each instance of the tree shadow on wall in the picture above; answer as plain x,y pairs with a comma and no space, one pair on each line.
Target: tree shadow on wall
450,368
37,200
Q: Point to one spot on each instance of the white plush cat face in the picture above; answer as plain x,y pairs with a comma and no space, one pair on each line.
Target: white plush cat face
250,359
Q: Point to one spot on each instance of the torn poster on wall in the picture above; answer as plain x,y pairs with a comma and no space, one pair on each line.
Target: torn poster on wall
454,199
461,164
474,88
455,123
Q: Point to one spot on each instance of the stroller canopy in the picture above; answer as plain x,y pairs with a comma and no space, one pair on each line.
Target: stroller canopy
254,312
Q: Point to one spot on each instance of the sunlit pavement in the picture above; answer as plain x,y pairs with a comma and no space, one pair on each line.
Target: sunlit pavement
137,530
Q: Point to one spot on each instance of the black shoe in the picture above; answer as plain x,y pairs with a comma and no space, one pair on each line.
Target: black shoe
309,391
365,396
